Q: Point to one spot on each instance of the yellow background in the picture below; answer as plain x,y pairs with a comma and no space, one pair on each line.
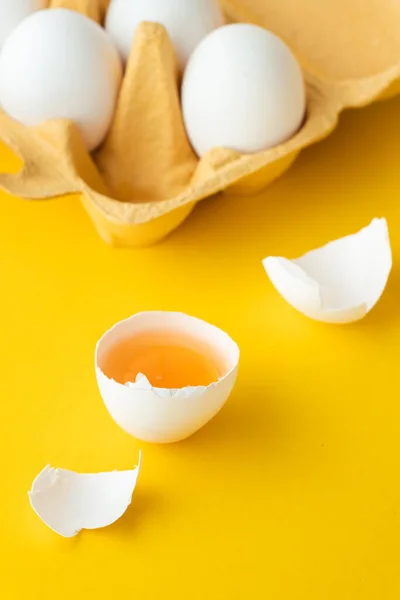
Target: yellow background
293,491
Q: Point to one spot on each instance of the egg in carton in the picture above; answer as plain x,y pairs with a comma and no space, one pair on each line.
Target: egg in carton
145,179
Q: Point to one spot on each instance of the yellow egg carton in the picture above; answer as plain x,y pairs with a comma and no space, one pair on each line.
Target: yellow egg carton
145,179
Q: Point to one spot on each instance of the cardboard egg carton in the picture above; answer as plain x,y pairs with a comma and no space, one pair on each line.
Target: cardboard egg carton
145,179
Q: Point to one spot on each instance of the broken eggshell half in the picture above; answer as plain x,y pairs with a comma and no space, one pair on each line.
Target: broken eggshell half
339,282
68,502
166,415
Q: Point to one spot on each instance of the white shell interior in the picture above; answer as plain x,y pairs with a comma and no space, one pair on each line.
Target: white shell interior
339,282
69,502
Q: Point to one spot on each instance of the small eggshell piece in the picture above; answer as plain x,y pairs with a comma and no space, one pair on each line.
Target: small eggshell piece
165,415
242,89
187,22
12,12
339,282
69,502
59,64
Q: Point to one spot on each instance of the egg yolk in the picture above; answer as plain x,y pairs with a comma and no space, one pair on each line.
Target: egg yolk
168,361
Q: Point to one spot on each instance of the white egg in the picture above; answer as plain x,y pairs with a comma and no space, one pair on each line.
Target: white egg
60,64
187,22
12,12
243,89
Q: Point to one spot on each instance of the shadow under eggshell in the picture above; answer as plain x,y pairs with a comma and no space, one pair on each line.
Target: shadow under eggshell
145,179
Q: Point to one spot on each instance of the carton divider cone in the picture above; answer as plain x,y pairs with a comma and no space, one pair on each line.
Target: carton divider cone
94,9
147,135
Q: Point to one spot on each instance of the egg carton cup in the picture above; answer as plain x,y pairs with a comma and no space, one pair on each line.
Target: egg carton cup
145,179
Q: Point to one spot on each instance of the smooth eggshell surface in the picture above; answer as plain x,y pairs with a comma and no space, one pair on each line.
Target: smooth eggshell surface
59,64
160,415
243,89
12,12
186,22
